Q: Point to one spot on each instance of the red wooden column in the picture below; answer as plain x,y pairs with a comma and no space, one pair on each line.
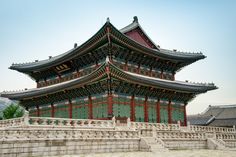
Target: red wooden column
169,112
52,110
145,110
158,112
90,106
126,66
70,109
138,70
132,109
185,115
77,73
150,72
173,76
161,74
38,111
110,105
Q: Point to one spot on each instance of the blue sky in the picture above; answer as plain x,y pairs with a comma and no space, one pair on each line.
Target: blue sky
31,30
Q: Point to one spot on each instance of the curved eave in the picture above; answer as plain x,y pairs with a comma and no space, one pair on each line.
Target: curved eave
116,36
117,73
36,92
161,83
95,40
159,53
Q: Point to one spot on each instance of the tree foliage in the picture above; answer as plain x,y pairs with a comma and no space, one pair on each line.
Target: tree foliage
13,111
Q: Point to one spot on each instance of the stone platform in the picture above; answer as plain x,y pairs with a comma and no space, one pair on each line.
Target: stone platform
44,136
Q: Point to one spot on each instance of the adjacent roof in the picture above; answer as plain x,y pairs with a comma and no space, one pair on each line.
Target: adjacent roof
114,72
103,36
224,115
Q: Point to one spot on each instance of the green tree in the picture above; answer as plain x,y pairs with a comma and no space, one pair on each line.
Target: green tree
13,111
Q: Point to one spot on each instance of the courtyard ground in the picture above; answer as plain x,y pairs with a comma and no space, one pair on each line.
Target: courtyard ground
170,153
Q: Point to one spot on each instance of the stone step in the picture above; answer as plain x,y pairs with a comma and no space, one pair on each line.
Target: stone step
154,144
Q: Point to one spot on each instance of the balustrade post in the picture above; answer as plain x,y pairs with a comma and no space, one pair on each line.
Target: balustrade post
128,122
114,121
26,118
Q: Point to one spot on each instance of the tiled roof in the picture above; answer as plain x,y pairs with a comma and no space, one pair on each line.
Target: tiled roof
140,79
224,115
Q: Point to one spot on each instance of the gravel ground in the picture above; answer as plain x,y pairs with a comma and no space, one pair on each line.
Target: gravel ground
170,153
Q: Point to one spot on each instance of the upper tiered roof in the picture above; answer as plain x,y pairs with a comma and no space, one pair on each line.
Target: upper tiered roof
109,34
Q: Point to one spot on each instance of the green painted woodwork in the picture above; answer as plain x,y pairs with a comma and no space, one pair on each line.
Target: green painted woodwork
33,113
121,106
152,115
100,107
139,109
80,108
164,112
45,111
61,110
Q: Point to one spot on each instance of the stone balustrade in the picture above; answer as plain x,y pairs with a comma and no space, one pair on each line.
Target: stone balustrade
44,134
226,136
15,122
180,135
156,126
56,122
197,128
66,122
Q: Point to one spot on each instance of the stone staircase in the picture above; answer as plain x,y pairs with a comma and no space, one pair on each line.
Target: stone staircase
154,144
215,144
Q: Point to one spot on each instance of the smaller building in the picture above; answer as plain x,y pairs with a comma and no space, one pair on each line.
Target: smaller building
221,116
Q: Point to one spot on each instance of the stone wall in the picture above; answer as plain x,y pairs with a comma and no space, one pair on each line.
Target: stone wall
23,148
185,143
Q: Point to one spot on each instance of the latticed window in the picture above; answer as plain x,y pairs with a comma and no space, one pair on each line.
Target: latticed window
61,109
121,105
177,113
32,112
45,111
152,114
139,109
164,111
100,108
80,108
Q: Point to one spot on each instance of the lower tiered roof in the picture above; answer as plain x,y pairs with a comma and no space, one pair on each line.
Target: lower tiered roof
109,70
